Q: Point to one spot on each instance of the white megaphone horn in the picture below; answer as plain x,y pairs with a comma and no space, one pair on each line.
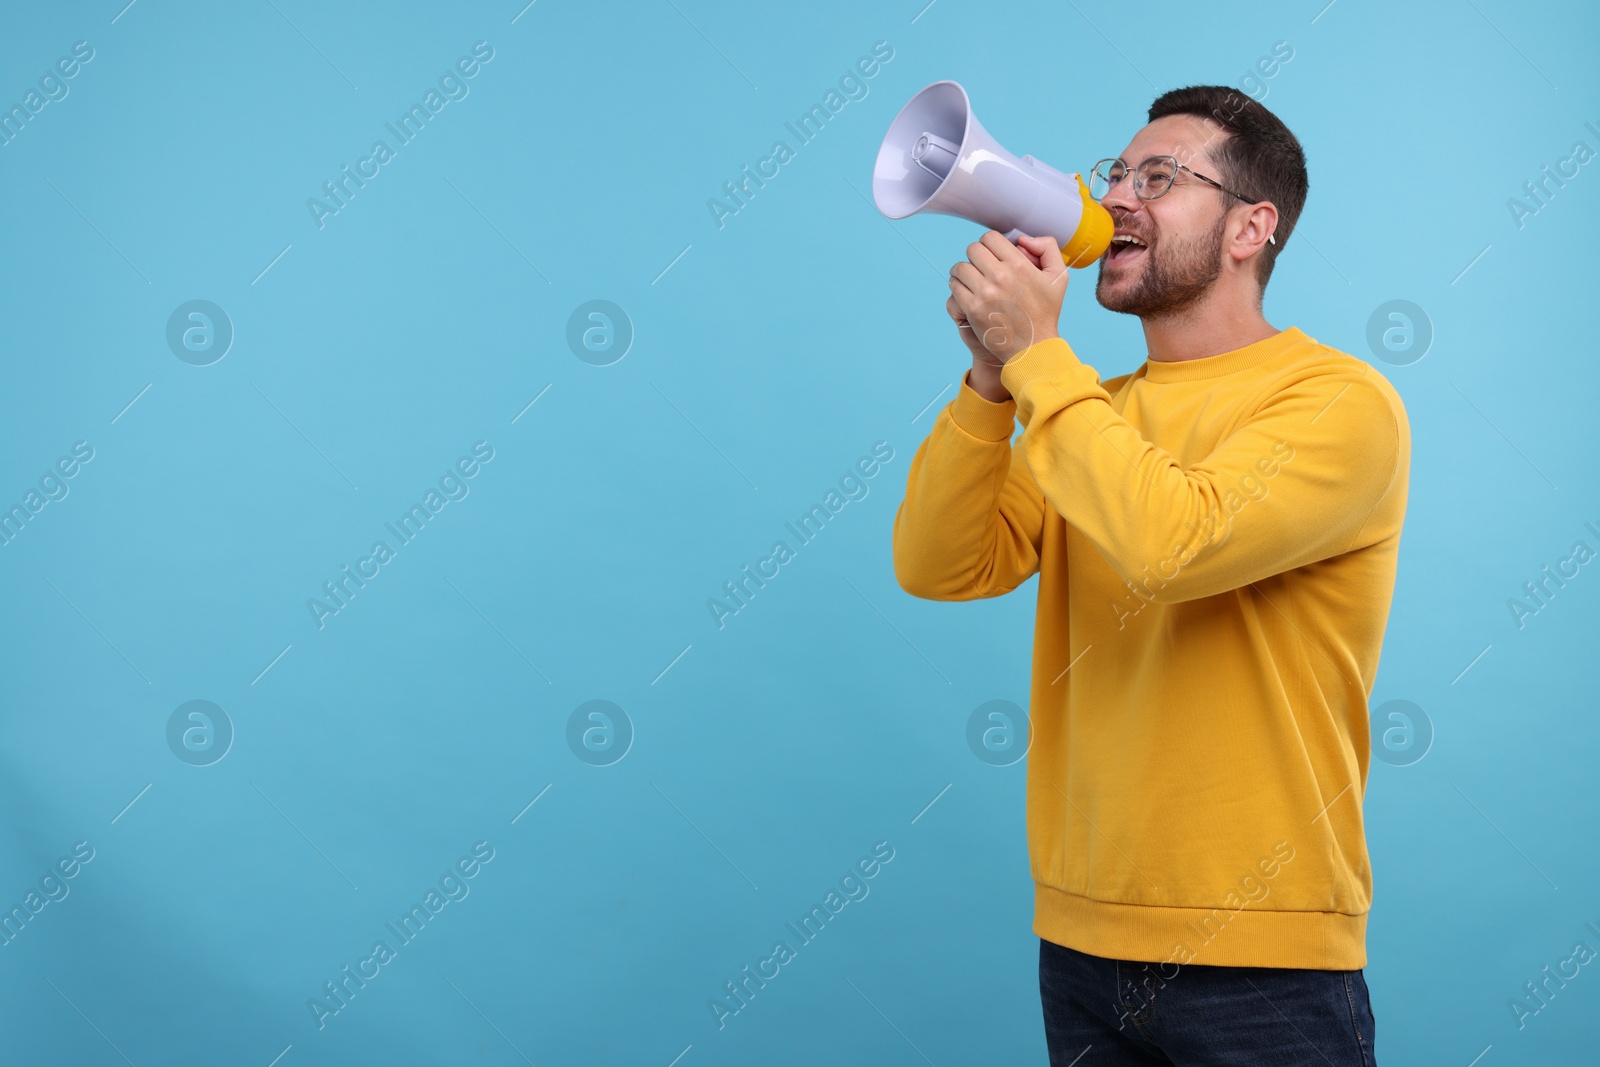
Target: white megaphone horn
938,158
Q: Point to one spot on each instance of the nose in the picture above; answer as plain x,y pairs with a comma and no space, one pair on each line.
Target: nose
1121,208
1121,195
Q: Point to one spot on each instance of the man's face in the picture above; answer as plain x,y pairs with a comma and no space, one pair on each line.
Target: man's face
1182,230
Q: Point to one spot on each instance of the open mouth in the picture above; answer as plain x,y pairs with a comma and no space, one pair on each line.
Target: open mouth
1125,248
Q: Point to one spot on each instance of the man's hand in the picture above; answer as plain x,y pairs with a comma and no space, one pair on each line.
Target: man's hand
969,336
1010,295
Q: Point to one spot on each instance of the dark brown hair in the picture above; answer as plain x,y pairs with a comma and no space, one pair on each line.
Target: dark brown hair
1260,158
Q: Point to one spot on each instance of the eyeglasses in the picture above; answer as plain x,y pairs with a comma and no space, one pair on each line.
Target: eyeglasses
1151,179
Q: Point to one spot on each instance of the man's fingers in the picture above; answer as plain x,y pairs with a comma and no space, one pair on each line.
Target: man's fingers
953,309
1049,252
982,256
966,275
1050,256
1003,249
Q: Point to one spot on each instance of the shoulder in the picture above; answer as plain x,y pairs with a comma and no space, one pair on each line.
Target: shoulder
1121,381
1313,365
1343,407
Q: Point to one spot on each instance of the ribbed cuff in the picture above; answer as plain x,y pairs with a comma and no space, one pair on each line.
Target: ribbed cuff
1051,357
1049,374
981,418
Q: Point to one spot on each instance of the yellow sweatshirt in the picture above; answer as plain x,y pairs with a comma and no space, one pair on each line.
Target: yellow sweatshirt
1216,542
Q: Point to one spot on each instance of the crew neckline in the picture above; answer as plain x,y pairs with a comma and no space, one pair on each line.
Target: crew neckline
1163,371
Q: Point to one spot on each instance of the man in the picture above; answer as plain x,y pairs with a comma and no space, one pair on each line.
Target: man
1216,537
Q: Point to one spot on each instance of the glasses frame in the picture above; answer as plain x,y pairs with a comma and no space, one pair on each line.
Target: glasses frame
1176,166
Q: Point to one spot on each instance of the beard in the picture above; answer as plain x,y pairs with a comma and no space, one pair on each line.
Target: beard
1173,276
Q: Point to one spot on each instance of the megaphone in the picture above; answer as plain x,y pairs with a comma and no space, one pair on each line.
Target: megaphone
937,158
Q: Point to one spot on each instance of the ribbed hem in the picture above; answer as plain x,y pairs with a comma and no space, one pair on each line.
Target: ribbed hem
1212,937
982,418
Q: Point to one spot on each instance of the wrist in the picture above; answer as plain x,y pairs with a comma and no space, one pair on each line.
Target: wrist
984,379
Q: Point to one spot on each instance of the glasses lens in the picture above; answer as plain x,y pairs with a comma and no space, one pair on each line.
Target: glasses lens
1155,176
1106,173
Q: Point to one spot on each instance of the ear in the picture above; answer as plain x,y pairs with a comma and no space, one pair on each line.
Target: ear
1260,226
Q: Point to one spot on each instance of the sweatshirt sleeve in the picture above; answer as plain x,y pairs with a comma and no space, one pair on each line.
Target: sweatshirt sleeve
1294,483
972,518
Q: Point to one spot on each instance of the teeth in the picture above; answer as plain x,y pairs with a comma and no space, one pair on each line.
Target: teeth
1127,238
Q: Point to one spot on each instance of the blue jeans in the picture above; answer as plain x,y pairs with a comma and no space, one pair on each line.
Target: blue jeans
1100,1012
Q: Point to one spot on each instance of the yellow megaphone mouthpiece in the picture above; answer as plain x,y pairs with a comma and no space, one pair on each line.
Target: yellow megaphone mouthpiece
1093,235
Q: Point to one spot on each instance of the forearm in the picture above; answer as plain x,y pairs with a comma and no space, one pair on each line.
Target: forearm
970,523
1183,531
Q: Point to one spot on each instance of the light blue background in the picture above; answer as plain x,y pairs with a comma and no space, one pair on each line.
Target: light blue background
774,352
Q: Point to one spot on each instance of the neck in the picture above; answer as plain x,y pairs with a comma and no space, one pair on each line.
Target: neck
1209,327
